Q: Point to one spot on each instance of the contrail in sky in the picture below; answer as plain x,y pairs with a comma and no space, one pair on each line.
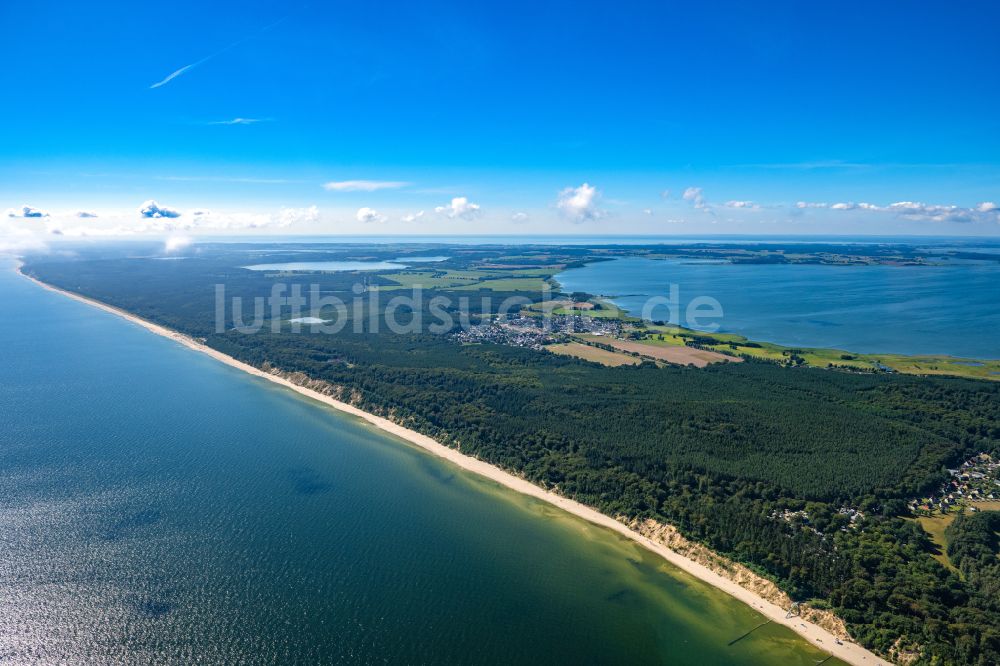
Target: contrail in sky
173,75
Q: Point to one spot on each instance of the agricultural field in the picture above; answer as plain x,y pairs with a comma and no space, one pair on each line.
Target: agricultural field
595,354
678,355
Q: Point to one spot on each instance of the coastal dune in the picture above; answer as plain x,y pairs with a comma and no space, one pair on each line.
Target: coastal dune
847,651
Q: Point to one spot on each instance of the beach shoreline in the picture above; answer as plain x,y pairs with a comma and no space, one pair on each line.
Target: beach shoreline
847,651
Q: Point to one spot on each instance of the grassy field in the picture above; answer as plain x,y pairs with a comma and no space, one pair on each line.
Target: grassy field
936,524
588,353
432,279
816,357
664,339
541,271
605,309
941,365
493,278
530,280
529,284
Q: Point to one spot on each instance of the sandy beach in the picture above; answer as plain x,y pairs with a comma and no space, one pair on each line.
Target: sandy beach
846,650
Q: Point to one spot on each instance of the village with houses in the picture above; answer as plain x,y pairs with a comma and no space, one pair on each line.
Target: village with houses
974,486
535,332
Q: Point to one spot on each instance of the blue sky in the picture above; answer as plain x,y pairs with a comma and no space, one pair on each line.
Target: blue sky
520,118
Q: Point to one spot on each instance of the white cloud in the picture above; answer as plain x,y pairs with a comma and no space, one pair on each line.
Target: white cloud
460,207
810,204
193,221
519,217
912,210
85,213
369,215
413,217
151,209
15,240
89,232
177,243
741,204
580,203
197,219
173,75
289,216
364,185
647,211
850,205
239,121
907,207
665,194
26,211
693,195
216,221
917,211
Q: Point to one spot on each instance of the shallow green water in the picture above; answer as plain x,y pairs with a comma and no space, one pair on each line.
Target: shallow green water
159,507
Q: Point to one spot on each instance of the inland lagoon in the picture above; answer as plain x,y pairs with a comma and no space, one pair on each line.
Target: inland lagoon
949,309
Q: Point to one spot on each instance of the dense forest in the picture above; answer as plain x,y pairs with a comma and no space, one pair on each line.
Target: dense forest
721,452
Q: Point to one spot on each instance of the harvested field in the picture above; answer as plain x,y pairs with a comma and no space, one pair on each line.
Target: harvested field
678,355
588,353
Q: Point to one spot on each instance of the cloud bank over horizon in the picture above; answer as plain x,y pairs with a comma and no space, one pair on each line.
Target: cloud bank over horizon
574,207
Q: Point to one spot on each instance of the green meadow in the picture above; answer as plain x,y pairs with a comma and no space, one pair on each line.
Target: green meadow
729,343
